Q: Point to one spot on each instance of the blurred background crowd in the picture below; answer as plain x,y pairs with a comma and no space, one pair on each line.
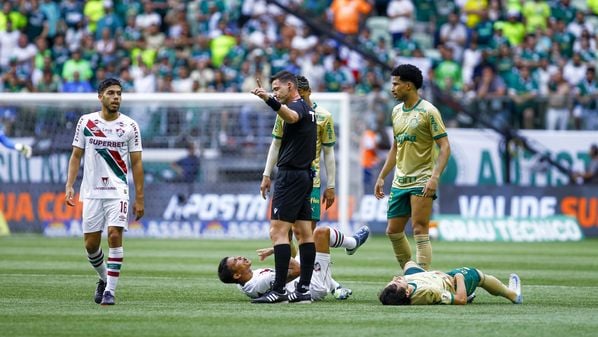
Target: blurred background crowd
524,63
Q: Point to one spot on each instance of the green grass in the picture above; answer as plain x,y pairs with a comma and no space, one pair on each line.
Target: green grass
170,288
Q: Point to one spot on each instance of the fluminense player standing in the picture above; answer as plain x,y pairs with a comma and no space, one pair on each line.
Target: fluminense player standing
417,130
111,145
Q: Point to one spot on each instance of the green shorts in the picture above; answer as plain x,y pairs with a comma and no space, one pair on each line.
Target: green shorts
399,201
315,203
471,276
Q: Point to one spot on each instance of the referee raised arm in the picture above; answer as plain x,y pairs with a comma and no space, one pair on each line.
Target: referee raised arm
291,206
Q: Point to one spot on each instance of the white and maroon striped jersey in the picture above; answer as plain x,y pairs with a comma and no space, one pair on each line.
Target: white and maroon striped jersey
260,283
107,145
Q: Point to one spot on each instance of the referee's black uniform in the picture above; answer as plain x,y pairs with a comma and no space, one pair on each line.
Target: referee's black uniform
291,199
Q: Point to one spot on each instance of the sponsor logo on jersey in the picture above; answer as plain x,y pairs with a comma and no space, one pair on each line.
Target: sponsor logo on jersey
106,143
105,181
137,136
403,137
91,129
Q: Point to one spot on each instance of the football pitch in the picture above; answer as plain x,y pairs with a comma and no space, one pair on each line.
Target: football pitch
170,288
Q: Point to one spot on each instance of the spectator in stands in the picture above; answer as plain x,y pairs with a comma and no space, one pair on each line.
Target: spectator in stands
77,84
24,52
401,14
586,47
523,90
489,92
590,176
543,75
12,81
50,82
347,15
110,21
472,11
52,12
187,168
338,78
126,80
513,29
71,12
575,70
564,38
560,101
447,69
562,10
585,112
165,83
183,83
313,66
93,11
9,14
37,22
106,46
8,40
472,56
453,34
369,156
579,25
76,64
148,17
483,30
527,52
536,14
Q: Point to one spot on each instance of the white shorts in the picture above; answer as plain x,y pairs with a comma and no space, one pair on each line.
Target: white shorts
99,214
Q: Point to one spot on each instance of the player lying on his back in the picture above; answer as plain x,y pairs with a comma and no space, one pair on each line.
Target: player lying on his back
255,283
454,287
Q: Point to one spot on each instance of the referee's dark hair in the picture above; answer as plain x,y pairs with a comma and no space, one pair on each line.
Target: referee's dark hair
285,76
409,73
108,82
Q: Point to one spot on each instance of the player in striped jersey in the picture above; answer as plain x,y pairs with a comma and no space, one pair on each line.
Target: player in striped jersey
454,287
417,129
255,283
110,144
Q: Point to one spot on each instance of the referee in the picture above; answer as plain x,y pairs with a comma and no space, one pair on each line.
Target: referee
291,206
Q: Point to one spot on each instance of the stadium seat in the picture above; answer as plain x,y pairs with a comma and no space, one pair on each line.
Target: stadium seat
378,26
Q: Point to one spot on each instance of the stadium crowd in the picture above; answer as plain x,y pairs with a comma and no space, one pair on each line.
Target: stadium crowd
523,63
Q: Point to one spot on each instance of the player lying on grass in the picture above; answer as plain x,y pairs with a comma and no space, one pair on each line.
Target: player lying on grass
255,283
454,287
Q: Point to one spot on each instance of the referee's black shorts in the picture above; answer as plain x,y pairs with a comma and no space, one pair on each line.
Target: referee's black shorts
291,199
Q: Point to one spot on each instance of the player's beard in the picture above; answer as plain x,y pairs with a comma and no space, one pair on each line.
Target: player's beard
112,108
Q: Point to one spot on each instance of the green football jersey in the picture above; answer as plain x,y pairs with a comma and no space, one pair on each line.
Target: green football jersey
415,132
326,135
